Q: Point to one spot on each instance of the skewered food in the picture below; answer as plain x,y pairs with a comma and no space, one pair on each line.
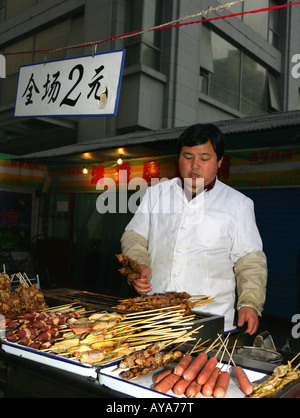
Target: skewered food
24,298
244,383
183,364
180,300
5,283
221,385
281,377
198,374
125,339
149,364
90,357
134,359
37,330
130,269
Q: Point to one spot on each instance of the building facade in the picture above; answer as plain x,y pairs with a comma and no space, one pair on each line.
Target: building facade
223,69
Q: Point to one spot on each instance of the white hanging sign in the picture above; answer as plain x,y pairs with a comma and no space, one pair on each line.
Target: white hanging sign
83,86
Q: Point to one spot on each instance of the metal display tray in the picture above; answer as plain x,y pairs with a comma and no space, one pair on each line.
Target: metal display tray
142,387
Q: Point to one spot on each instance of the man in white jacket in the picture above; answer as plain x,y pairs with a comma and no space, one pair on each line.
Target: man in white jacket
198,235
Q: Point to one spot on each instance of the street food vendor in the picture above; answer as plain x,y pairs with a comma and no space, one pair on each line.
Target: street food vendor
195,234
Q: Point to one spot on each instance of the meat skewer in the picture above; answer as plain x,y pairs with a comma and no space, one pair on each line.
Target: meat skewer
130,269
179,300
156,362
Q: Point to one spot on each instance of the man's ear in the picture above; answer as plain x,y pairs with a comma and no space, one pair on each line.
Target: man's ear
220,162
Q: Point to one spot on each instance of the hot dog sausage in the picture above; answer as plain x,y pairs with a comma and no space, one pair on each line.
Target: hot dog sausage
207,370
194,368
180,387
162,375
243,381
209,386
185,361
167,383
222,384
193,389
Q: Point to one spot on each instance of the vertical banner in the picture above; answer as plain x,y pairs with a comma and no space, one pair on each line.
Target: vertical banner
83,86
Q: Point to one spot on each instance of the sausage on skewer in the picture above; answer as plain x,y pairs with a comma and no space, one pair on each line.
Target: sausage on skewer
208,387
162,375
207,370
194,368
180,387
221,385
193,389
184,362
243,381
167,383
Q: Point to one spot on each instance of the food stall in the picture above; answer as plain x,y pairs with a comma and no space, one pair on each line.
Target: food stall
52,345
45,372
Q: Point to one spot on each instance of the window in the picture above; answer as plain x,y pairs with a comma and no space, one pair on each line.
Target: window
254,87
204,81
57,35
235,79
257,21
224,82
144,49
266,24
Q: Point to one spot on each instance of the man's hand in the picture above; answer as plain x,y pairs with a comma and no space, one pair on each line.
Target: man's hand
142,285
248,315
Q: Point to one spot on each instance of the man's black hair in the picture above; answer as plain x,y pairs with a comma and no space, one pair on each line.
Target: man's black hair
200,134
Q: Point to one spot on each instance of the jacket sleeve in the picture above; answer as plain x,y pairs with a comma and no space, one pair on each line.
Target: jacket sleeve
135,246
251,276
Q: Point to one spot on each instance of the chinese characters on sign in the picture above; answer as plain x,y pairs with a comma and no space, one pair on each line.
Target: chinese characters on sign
85,86
271,155
252,168
10,218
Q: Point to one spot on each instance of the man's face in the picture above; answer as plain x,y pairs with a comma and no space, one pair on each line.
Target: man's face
197,162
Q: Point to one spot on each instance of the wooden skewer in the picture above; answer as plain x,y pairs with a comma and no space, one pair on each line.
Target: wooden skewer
123,325
155,310
26,277
231,355
195,345
293,359
62,307
225,346
228,351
